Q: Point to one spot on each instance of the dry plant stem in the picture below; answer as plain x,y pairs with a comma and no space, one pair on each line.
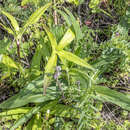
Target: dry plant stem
44,89
55,14
59,85
45,86
18,49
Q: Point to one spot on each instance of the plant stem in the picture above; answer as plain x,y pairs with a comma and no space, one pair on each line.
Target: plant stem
18,49
55,15
59,85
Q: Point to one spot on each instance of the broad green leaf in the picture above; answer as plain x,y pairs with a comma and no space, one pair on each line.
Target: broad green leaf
27,116
13,21
51,37
36,16
32,93
7,29
67,39
7,61
109,95
75,59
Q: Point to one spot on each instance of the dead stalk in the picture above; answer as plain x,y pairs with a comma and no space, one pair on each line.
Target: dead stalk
55,15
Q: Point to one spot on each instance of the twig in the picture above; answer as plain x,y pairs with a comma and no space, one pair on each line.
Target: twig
18,48
55,15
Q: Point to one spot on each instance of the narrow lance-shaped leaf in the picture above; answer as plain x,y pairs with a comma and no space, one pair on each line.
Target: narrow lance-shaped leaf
7,61
106,94
32,93
79,72
26,117
49,70
13,21
7,29
30,124
37,122
66,17
36,16
15,111
11,117
36,60
50,67
75,24
67,39
51,37
75,59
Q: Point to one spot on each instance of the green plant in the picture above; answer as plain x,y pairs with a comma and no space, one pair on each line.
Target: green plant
58,50
73,88
17,32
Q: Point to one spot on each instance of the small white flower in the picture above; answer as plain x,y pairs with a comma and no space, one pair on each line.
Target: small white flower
48,111
58,68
